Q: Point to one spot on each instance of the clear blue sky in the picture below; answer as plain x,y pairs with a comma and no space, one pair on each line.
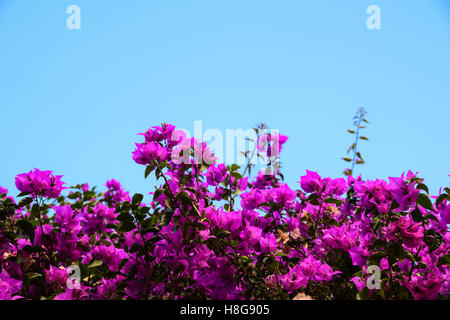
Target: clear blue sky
73,101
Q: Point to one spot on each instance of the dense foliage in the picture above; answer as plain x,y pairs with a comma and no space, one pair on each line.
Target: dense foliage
212,233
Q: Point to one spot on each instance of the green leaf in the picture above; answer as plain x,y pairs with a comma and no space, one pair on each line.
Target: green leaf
147,225
95,264
184,180
441,198
347,159
184,197
77,205
27,227
144,210
25,201
444,260
137,198
167,216
351,147
379,243
432,217
364,138
223,234
125,207
167,202
422,186
351,131
333,200
363,294
157,193
29,276
135,247
424,201
35,211
74,195
149,170
185,230
124,216
396,249
126,226
416,215
22,194
375,259
236,175
234,167
394,205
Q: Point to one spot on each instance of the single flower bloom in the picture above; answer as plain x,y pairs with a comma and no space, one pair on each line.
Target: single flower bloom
253,199
311,182
268,243
145,153
384,264
359,256
251,234
56,277
283,195
359,283
216,175
231,221
411,232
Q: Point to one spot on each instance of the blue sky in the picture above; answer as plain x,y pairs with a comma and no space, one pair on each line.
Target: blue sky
73,101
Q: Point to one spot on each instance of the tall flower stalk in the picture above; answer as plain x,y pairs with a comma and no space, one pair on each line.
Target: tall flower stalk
359,121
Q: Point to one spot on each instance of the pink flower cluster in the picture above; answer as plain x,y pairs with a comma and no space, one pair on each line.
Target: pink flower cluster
42,183
212,233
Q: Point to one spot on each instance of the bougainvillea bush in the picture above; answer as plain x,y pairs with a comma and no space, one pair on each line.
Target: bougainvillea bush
211,232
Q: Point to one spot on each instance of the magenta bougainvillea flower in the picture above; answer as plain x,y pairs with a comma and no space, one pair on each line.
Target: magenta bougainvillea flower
403,192
209,231
311,182
359,256
3,191
40,183
216,175
252,200
407,231
57,277
271,144
425,284
145,153
268,243
9,287
116,192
